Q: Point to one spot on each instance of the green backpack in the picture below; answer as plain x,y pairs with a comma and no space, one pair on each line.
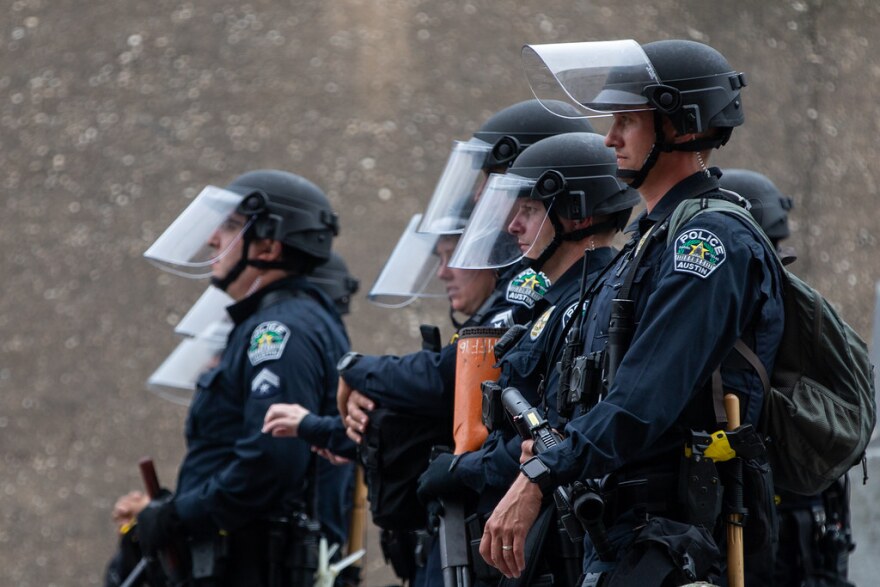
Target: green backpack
819,408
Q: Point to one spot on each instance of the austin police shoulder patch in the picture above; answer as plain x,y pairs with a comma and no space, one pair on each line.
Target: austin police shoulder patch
267,342
527,288
265,384
698,252
540,323
569,312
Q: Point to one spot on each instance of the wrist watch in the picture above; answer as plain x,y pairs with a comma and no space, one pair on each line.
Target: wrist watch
347,361
538,473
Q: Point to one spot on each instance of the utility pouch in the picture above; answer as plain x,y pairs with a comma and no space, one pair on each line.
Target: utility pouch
493,411
395,452
700,491
398,548
481,570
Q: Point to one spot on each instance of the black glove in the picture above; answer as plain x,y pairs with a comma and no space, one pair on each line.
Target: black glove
158,524
438,480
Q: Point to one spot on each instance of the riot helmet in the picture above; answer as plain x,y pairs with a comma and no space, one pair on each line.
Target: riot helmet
687,82
493,148
572,176
265,204
334,279
769,206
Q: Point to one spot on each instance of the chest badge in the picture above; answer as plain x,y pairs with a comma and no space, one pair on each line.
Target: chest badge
267,342
698,252
540,323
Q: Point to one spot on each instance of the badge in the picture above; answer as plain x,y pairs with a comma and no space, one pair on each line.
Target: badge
698,252
540,323
265,384
267,342
527,288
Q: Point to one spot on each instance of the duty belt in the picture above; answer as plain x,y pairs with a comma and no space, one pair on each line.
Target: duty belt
655,494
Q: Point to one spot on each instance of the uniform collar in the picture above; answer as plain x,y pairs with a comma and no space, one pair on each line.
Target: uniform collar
240,311
596,260
690,187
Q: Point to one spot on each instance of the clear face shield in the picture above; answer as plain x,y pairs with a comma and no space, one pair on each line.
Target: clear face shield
411,270
206,327
458,189
183,249
506,226
598,78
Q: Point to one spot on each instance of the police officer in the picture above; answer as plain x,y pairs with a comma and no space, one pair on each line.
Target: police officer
691,294
422,383
559,206
257,239
815,535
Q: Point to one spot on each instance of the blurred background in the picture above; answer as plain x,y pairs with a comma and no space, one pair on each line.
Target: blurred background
114,114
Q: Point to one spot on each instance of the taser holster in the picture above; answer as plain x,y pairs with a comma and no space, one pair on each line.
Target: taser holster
475,363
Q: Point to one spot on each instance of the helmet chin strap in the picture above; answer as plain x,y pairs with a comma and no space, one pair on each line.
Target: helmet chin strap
635,178
559,236
237,269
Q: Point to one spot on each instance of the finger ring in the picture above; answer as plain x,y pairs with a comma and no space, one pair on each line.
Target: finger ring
506,547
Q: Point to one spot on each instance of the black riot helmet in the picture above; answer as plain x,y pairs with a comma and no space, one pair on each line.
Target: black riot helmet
511,130
334,279
491,149
687,82
288,208
573,175
769,206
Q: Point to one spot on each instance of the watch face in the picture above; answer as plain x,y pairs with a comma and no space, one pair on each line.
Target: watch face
534,469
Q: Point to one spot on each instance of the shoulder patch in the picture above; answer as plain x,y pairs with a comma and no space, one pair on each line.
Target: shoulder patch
698,252
267,342
265,384
540,323
569,312
527,288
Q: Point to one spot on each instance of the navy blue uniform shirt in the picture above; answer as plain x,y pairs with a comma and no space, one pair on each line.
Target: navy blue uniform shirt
495,465
283,349
714,283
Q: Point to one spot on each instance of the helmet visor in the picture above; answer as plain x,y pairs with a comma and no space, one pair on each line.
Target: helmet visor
598,78
208,309
458,189
183,249
487,242
411,270
176,377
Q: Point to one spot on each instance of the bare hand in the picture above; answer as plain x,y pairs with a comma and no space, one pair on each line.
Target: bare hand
509,526
128,507
284,419
357,419
527,451
332,457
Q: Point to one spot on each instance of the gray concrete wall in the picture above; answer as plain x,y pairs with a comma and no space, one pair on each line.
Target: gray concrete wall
112,112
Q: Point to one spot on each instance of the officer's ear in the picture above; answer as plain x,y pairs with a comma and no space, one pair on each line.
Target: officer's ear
267,250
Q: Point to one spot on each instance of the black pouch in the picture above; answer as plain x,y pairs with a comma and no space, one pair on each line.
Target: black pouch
395,452
398,548
667,552
761,528
492,410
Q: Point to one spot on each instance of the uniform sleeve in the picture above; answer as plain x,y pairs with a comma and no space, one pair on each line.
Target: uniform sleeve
421,383
690,321
493,465
281,365
327,432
